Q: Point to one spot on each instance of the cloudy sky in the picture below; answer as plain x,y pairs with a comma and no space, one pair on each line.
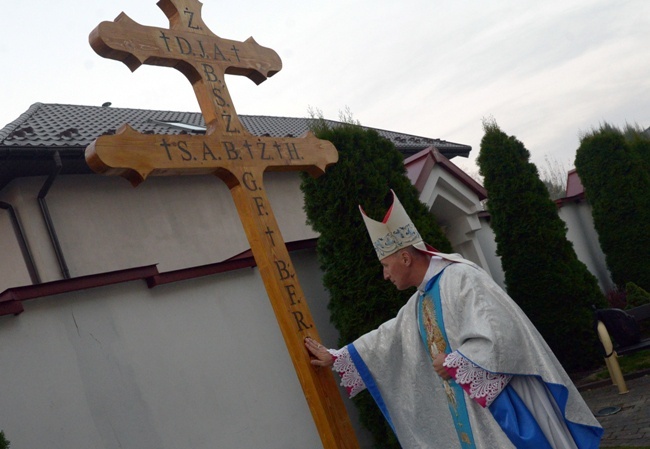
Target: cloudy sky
544,70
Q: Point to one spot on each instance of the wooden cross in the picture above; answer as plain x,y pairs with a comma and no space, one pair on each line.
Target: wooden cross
231,153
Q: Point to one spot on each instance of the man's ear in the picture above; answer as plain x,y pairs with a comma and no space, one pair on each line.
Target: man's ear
406,258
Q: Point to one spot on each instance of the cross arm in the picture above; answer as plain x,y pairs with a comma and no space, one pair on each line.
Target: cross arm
133,44
136,156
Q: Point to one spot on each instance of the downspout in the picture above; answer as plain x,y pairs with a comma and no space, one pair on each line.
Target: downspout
48,219
22,242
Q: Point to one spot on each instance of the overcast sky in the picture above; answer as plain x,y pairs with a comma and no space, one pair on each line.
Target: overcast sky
544,70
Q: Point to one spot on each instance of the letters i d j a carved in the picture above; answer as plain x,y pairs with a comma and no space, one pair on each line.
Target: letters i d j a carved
230,152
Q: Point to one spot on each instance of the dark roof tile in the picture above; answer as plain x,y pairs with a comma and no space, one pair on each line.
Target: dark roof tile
64,126
28,144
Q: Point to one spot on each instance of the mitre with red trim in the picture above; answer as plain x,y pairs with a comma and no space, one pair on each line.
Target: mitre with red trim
396,231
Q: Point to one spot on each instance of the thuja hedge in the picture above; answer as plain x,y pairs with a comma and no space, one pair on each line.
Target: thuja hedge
542,272
635,296
617,185
360,299
4,443
639,141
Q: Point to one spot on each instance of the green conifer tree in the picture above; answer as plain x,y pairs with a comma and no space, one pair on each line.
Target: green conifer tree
640,143
4,443
617,186
542,272
635,296
360,299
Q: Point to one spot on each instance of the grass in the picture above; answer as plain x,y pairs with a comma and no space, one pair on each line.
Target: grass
629,363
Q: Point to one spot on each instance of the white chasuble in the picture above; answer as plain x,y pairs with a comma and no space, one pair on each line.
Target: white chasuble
487,332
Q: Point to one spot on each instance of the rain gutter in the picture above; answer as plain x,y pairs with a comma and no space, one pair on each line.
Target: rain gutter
47,217
22,242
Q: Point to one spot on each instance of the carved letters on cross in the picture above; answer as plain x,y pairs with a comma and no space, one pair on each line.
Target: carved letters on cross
189,46
231,153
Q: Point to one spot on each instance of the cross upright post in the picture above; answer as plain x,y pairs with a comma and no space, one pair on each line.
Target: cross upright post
231,153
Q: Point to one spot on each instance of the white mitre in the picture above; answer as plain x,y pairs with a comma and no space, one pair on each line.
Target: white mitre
394,232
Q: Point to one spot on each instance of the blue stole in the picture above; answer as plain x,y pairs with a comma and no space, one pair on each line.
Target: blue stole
430,321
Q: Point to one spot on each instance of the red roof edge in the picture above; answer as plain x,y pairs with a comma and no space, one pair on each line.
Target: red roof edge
239,261
12,298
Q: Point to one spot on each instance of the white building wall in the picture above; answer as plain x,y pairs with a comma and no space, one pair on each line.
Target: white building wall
199,363
103,224
486,240
582,233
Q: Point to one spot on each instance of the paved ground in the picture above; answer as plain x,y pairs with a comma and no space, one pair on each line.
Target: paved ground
631,425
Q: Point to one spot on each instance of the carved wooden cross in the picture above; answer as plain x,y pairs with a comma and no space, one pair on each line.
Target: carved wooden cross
231,153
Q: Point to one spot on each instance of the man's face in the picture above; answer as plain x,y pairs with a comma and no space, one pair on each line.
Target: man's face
396,270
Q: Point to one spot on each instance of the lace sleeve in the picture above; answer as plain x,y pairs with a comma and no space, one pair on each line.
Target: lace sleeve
481,385
350,378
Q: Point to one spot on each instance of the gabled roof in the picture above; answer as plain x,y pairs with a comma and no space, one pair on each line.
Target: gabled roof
574,185
419,166
28,144
575,191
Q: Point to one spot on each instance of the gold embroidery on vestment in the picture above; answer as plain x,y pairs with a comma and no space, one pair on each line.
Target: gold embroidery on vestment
436,343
